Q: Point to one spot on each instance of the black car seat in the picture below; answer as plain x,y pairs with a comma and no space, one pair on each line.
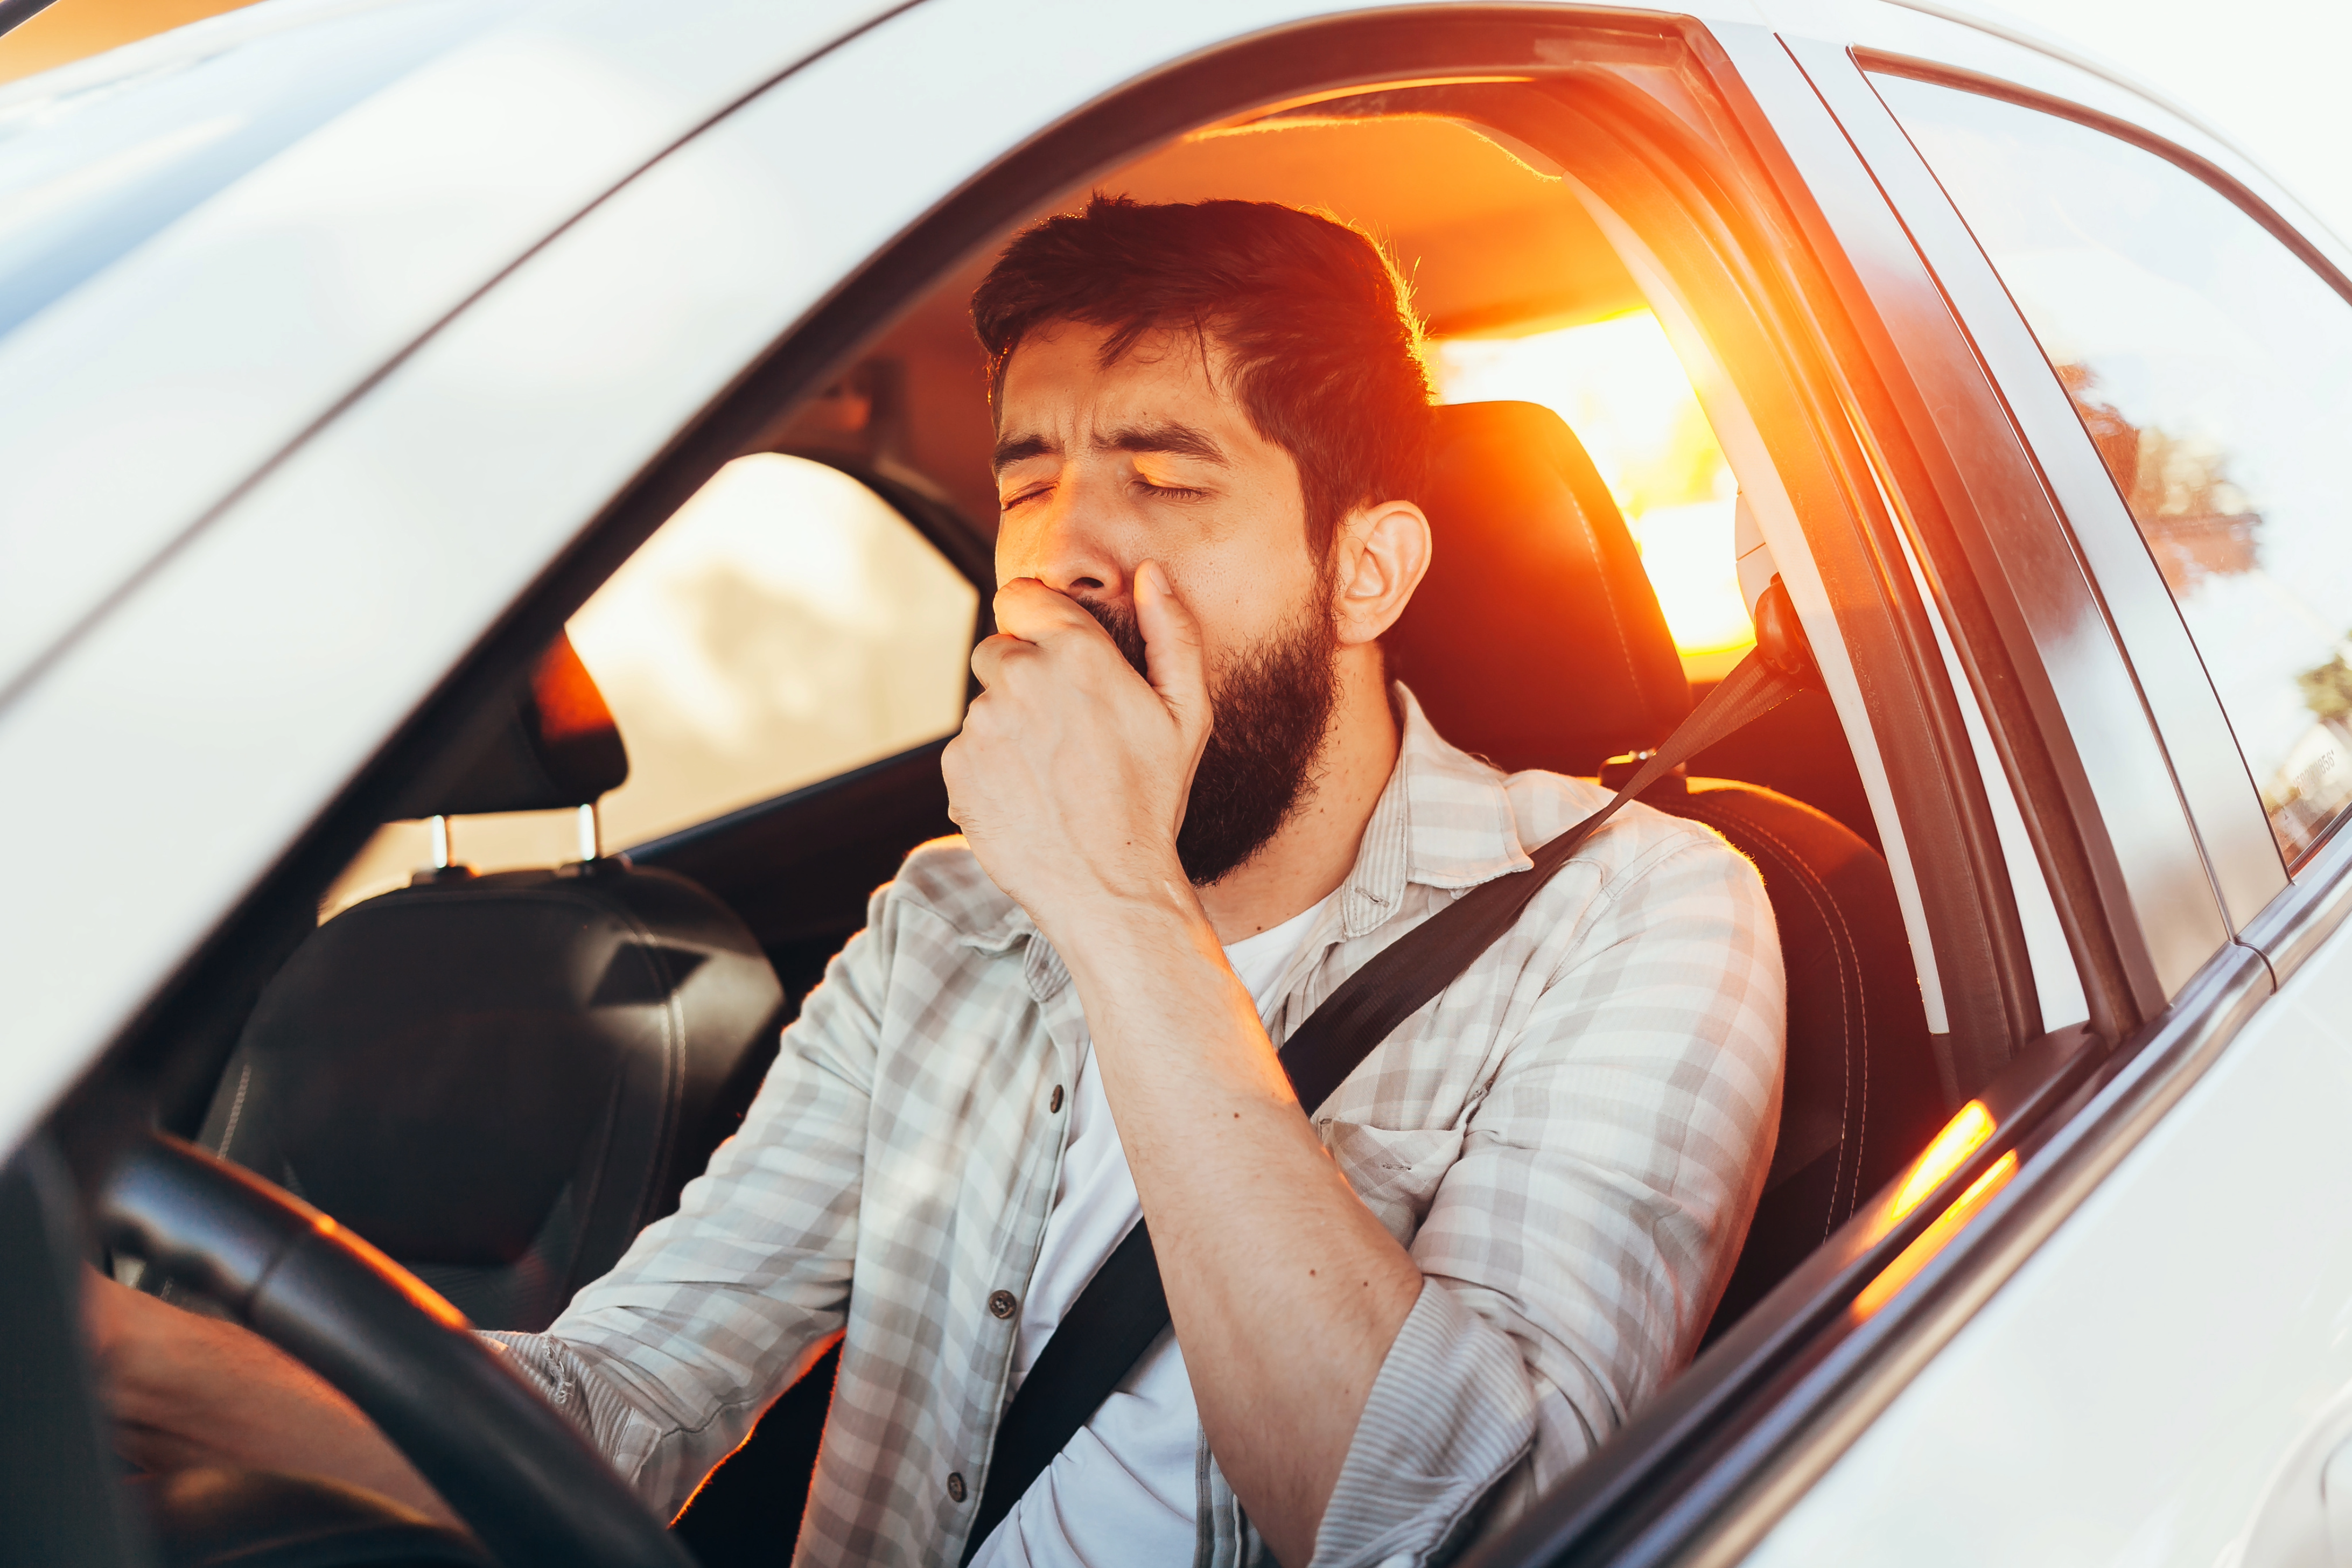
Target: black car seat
500,1080
1536,641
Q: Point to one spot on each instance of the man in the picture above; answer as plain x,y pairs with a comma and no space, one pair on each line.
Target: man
1191,805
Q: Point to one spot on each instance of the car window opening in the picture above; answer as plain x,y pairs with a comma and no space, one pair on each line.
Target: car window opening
791,626
784,656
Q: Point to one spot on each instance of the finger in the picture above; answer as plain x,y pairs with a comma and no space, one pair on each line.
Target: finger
1173,660
990,658
952,771
102,1312
1027,609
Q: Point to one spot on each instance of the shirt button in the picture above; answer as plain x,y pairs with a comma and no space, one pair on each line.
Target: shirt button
955,1486
1055,1102
1003,1304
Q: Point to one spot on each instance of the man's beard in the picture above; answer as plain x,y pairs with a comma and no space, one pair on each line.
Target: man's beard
1271,706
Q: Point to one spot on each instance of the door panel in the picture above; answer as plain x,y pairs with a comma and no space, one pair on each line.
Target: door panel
2129,1394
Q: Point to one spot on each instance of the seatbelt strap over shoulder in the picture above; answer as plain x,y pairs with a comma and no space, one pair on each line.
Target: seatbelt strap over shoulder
1125,1306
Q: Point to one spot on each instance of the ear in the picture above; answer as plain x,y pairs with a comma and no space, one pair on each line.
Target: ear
1378,560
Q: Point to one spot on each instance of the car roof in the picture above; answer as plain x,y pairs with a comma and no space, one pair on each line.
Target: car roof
2024,30
211,238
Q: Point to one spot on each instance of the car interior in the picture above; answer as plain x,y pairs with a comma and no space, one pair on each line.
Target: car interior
547,988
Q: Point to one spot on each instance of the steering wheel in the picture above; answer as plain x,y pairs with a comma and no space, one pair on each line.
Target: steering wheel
521,1475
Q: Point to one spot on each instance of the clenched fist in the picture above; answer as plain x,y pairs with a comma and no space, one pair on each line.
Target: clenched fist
1070,775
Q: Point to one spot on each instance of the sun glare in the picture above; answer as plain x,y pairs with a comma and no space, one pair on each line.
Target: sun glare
1933,1240
1620,387
1962,1136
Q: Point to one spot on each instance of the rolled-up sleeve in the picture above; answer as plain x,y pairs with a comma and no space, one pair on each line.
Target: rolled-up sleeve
666,1362
1572,1255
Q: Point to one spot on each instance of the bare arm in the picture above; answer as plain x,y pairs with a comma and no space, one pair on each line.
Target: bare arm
188,1390
1069,780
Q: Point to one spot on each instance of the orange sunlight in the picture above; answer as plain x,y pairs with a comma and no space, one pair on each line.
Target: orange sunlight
1962,1136
1932,1240
73,30
1620,387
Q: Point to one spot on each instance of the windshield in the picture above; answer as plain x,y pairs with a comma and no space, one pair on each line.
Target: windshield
95,161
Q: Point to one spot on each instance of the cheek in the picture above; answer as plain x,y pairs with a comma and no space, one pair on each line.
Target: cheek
1246,582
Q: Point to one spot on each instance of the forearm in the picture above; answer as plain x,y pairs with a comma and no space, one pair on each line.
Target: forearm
1285,1291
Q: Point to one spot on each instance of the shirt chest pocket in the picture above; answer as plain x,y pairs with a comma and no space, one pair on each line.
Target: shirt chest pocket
1396,1173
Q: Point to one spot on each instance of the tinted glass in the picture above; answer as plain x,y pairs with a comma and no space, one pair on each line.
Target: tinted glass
785,626
2212,369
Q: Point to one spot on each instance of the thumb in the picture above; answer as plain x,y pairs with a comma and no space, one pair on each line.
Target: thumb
1171,645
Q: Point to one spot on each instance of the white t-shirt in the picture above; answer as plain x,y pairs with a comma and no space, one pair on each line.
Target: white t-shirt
1122,1491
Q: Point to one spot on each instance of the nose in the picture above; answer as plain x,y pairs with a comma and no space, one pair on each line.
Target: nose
1062,544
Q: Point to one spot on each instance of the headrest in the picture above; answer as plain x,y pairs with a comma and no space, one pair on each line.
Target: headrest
551,744
1536,640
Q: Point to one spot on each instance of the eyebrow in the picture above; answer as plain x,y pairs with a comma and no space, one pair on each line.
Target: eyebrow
1180,440
1020,449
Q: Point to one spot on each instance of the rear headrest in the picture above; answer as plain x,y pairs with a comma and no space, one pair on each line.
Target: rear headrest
551,744
1535,640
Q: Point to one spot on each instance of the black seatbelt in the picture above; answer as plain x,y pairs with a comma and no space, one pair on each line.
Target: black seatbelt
1124,1306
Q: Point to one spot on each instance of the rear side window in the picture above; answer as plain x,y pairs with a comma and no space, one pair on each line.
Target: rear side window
786,625
2212,369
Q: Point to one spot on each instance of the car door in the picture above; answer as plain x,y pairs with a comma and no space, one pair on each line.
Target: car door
479,491
2163,1382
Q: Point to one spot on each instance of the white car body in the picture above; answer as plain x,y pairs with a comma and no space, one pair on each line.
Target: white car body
275,470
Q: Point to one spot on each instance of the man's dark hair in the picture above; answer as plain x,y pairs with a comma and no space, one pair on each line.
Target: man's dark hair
1322,349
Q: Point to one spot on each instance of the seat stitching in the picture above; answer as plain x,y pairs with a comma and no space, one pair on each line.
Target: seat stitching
235,1108
1810,881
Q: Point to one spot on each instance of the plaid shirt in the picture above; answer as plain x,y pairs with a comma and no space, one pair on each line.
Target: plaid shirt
1570,1139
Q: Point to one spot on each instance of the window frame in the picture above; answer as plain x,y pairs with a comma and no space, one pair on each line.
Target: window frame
1762,1396
2013,582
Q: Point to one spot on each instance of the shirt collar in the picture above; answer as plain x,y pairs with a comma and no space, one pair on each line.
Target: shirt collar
1443,821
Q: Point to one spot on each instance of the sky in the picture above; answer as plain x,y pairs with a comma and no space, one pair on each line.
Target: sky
2268,74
